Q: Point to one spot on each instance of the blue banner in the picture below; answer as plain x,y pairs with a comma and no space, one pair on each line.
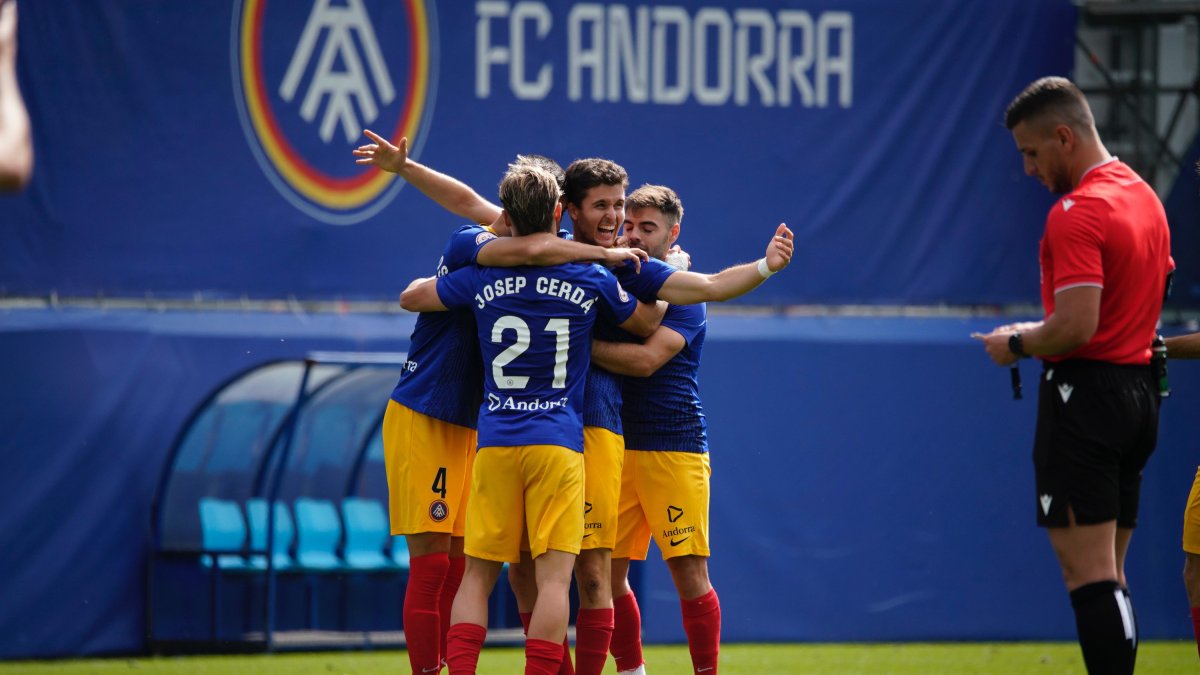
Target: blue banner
204,147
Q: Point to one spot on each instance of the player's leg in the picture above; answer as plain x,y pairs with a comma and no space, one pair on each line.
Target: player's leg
633,541
523,582
457,559
493,537
677,508
1191,550
469,616
602,460
700,609
426,462
594,622
554,519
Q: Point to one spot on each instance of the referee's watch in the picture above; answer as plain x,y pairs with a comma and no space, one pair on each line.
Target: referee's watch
1016,345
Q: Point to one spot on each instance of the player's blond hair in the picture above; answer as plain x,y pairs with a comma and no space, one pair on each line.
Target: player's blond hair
529,195
659,197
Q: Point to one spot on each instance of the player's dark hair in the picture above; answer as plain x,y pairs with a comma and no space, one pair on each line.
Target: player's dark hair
529,195
585,174
659,197
1050,99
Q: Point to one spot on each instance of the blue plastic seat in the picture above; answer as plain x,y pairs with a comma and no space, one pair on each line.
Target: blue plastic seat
366,535
256,509
222,529
318,532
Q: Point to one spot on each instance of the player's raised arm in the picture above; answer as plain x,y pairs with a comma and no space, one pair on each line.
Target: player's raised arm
16,146
449,192
638,360
689,288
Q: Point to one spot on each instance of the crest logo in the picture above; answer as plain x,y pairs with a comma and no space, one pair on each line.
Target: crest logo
307,83
438,510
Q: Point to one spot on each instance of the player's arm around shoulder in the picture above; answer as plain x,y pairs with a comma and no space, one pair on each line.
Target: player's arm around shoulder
437,294
689,288
547,250
421,296
627,312
639,360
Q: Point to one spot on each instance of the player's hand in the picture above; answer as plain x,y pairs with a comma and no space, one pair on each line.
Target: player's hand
996,345
615,257
779,251
382,153
679,258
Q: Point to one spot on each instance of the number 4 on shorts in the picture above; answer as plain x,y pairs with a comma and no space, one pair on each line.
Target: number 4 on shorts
439,482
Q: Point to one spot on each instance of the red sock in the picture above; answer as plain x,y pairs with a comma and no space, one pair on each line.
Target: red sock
566,667
542,657
702,623
464,642
593,635
1196,626
627,633
454,574
422,625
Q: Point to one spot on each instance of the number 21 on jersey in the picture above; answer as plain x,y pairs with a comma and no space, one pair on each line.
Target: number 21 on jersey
561,328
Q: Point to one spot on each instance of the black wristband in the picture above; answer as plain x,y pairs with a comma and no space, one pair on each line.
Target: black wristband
1016,345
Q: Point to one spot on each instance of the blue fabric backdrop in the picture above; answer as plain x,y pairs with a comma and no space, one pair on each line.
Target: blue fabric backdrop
872,127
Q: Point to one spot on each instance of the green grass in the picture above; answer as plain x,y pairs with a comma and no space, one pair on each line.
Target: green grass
849,659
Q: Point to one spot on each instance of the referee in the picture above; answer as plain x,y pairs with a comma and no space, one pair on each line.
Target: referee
1105,256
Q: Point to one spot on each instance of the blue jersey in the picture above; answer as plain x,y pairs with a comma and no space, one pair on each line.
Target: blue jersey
535,335
663,411
645,285
602,399
443,377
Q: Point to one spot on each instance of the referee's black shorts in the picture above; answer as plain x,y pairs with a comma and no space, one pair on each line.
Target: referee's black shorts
1097,425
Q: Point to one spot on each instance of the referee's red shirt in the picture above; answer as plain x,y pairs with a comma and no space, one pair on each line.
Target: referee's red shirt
1110,232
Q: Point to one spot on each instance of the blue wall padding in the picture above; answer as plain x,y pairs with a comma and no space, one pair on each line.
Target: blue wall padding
871,477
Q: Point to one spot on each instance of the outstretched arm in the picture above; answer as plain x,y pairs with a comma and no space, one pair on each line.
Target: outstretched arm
422,296
449,192
626,358
16,146
1184,346
689,288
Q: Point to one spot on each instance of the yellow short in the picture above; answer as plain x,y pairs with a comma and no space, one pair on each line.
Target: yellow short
428,471
1191,519
526,489
664,495
603,455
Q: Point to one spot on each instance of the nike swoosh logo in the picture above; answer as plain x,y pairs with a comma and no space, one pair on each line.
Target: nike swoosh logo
431,670
588,535
680,541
